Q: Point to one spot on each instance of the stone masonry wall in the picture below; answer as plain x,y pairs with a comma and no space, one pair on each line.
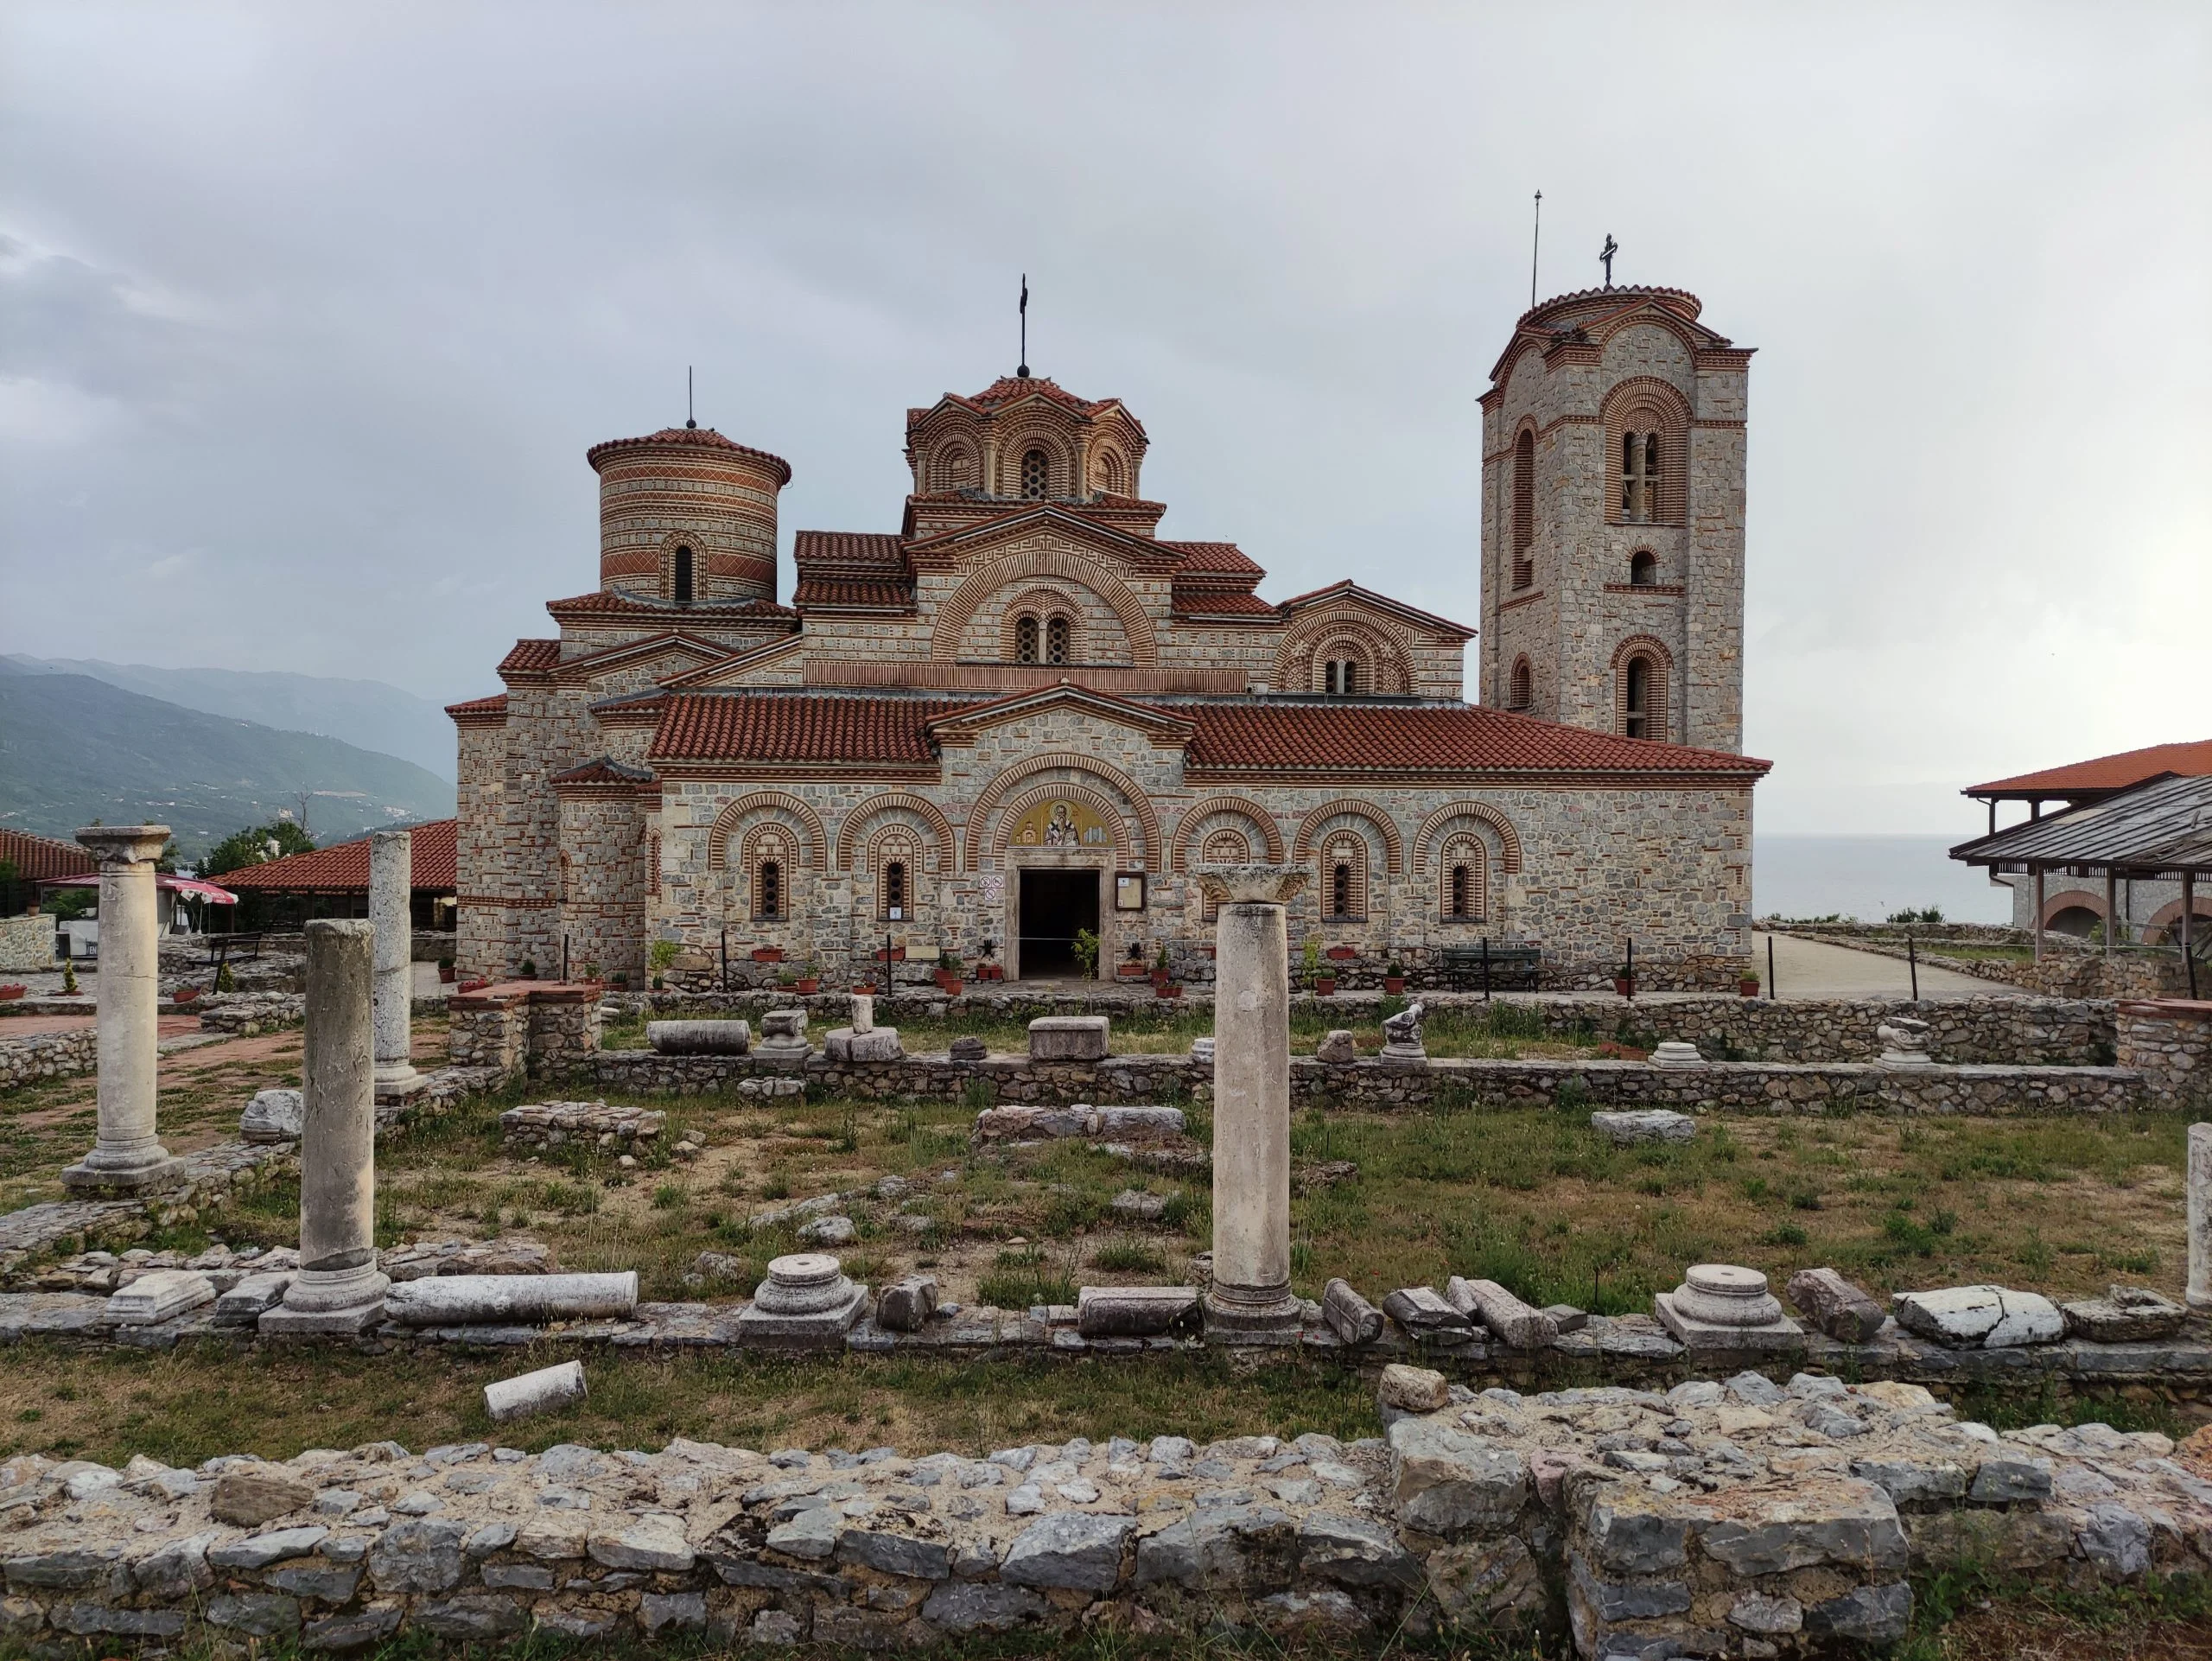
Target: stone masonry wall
26,943
47,1055
2169,1042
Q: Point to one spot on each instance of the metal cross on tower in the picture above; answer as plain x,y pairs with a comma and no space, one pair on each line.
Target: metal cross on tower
1606,254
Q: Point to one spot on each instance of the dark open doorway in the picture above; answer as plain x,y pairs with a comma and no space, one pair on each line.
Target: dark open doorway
1054,905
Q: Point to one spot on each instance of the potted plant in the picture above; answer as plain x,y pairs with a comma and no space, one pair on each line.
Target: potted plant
68,977
948,973
1132,968
1393,977
987,970
1343,953
1086,953
13,990
810,980
1320,985
188,994
659,955
445,971
1625,980
1747,984
528,970
767,954
1162,970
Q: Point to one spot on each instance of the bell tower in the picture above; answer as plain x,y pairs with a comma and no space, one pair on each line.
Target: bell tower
1612,519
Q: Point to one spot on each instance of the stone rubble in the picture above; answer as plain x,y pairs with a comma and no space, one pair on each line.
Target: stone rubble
592,1124
1979,1317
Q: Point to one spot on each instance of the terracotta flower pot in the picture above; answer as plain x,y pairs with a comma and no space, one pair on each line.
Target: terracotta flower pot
1343,953
767,954
1624,986
7,992
1394,984
1748,987
1324,986
1131,972
446,972
952,985
1166,990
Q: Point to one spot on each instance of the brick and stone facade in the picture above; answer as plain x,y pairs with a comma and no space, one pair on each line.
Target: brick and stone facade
1027,712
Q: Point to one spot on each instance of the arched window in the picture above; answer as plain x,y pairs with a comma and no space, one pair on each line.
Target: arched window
895,854
1106,472
1637,697
1466,880
1223,848
768,856
1643,568
1640,477
894,889
1056,640
768,892
683,584
1025,639
1520,691
1524,509
1341,677
953,469
1036,474
1344,887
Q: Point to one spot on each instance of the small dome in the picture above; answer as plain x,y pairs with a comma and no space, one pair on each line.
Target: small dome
688,437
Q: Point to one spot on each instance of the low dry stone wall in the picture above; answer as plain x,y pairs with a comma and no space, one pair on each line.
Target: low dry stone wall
248,1014
1995,1030
1741,1519
26,943
1727,1087
2169,1042
35,1056
212,1178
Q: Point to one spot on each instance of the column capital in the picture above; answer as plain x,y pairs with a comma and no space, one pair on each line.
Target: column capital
126,844
1251,885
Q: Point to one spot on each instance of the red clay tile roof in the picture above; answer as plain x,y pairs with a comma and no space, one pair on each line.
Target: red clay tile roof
694,437
1353,590
701,726
343,868
1008,389
604,770
1220,602
2106,772
40,859
1362,738
531,658
847,548
600,603
1223,557
831,593
494,705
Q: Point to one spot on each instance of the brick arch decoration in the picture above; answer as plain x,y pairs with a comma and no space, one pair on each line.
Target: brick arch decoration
2081,900
1043,603
1394,848
995,792
960,607
1098,800
891,801
1179,853
1387,661
1036,432
817,845
1638,403
1658,715
953,462
2165,923
1483,812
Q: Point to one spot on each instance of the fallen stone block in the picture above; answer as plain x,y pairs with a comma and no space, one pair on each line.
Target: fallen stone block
1515,1322
249,1298
1832,1303
161,1295
249,1495
1068,1038
1337,1050
876,1044
1135,1311
831,1231
905,1306
1348,1315
271,1115
545,1391
1138,1206
2126,1314
1979,1317
969,1047
699,1037
1412,1390
783,1035
1420,1309
1566,1318
1673,1053
1727,1308
805,1302
1646,1125
510,1300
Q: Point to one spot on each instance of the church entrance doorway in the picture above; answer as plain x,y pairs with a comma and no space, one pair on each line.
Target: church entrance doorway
1055,905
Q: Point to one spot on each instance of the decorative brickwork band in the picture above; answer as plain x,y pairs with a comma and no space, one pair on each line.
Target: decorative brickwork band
960,607
1508,839
892,801
1394,848
1198,813
817,843
1139,802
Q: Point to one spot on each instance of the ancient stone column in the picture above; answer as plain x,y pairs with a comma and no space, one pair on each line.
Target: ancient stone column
391,884
339,1289
1251,1296
2199,1292
127,1156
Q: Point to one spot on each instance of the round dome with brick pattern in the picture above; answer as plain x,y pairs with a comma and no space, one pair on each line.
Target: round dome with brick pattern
687,514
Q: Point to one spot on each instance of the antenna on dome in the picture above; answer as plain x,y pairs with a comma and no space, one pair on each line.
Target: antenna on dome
1023,370
1606,254
1535,241
690,420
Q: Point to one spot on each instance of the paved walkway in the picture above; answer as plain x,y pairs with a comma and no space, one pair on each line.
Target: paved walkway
1814,969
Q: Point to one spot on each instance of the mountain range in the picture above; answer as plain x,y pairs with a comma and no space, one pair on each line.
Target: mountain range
74,748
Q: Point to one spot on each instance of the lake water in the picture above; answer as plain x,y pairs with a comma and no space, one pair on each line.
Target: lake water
1869,877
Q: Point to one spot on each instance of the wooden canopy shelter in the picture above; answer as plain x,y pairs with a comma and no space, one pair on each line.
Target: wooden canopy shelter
2159,830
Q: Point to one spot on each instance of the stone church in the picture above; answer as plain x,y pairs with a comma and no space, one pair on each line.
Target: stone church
1016,723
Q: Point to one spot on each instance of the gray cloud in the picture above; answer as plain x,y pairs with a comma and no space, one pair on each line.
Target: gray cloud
307,316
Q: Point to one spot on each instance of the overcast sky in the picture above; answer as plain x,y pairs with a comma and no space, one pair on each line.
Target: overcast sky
308,312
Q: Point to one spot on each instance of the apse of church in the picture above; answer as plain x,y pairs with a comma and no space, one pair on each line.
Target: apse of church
1015,724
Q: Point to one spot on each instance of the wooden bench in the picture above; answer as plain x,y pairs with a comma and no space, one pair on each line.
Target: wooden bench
1492,965
232,948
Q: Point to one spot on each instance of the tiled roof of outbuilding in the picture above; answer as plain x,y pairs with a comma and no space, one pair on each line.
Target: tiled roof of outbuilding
531,658
494,705
39,859
2106,773
343,868
692,437
601,603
